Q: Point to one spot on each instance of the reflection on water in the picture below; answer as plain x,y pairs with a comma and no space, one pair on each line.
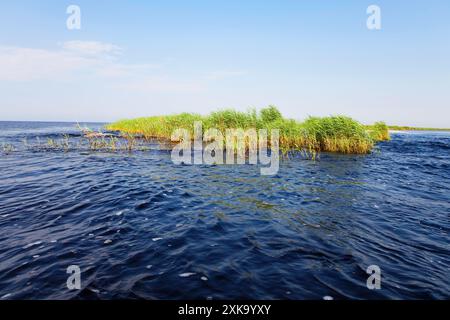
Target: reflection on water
140,227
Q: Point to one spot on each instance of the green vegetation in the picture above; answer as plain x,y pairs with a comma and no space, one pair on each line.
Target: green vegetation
90,141
270,114
332,134
379,131
406,128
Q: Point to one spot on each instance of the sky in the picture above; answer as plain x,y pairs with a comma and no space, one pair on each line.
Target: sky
308,57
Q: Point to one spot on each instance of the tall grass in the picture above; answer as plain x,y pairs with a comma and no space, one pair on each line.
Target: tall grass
331,134
379,131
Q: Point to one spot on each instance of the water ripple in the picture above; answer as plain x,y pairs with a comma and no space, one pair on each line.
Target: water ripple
140,227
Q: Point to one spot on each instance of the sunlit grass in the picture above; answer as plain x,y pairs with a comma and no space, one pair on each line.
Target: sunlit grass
330,134
379,131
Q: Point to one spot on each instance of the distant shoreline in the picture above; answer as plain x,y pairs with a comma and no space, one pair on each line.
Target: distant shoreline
405,128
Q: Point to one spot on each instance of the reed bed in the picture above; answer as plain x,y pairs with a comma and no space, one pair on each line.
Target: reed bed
379,131
328,134
92,142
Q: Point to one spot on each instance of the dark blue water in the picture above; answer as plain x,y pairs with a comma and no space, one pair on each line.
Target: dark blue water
139,226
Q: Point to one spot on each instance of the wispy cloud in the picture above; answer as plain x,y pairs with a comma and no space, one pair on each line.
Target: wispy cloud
26,64
81,60
92,48
92,57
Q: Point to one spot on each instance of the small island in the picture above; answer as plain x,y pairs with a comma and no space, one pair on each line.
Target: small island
340,134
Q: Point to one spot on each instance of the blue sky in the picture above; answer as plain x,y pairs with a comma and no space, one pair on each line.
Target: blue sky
139,58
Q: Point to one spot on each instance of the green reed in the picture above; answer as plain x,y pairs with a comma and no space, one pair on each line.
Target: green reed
331,134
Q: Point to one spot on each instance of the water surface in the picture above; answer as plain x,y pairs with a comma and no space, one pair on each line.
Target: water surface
141,227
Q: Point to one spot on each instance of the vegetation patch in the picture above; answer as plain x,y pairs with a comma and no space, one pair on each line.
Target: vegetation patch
329,134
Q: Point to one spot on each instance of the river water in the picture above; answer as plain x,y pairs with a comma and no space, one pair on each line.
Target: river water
139,226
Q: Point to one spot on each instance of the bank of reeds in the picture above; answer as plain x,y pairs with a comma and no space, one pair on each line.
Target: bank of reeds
330,134
379,131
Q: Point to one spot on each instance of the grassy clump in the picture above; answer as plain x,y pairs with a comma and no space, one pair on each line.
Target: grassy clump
270,114
379,131
331,134
339,134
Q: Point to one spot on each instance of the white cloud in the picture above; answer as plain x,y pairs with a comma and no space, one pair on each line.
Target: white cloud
91,60
92,57
24,64
92,48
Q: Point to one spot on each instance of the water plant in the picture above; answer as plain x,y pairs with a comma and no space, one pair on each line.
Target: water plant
89,140
332,134
65,142
270,114
379,131
8,148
